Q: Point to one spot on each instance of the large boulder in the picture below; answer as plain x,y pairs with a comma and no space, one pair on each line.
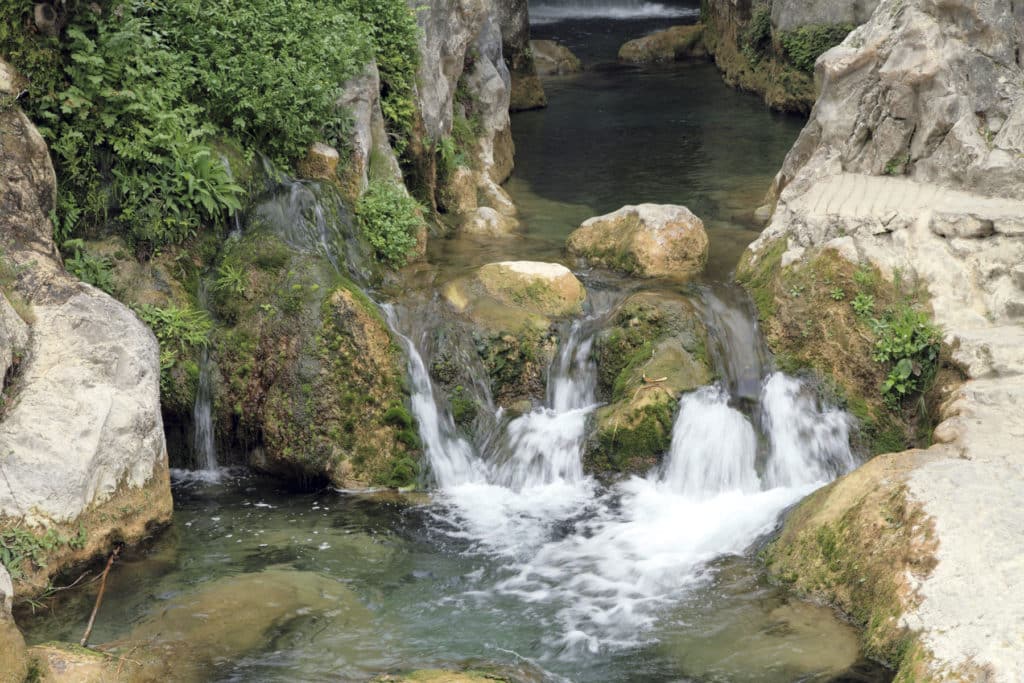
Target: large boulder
671,45
83,432
913,161
554,59
654,350
648,240
510,309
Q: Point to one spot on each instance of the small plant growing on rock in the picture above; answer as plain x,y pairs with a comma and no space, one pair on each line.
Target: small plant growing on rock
907,340
863,305
389,219
837,294
804,45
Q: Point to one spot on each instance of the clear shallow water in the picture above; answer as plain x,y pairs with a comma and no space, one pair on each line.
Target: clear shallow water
520,559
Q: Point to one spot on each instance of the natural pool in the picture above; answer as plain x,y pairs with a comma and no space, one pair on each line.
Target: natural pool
547,573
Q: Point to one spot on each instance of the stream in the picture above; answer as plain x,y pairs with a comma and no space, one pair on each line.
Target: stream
517,557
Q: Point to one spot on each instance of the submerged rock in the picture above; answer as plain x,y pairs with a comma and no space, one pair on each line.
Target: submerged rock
654,350
671,45
554,59
648,240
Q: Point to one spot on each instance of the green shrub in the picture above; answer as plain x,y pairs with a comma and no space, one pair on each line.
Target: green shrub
389,219
19,545
756,41
804,45
180,331
909,342
96,270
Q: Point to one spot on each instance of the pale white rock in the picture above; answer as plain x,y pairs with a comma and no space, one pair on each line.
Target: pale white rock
6,593
487,222
361,98
915,152
13,337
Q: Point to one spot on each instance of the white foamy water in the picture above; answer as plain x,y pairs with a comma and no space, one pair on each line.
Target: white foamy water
550,12
610,561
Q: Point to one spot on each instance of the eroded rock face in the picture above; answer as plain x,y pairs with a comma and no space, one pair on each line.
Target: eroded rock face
788,15
672,44
84,429
13,659
913,160
13,338
554,59
510,309
527,90
648,240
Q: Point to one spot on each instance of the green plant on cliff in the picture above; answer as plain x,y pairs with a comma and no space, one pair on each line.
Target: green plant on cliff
908,343
19,546
393,31
756,40
805,44
390,220
96,270
180,331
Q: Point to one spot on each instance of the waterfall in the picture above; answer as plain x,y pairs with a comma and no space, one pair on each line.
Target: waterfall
549,11
202,411
613,558
736,345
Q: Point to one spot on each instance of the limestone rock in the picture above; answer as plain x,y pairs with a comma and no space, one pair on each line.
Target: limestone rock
510,308
654,350
85,430
915,153
648,240
545,289
788,15
368,139
554,59
11,82
487,222
321,162
13,337
672,44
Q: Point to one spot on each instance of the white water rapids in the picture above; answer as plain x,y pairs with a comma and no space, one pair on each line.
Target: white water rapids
611,560
550,11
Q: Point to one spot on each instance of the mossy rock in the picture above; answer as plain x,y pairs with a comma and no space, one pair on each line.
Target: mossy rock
14,660
309,373
654,351
510,310
810,323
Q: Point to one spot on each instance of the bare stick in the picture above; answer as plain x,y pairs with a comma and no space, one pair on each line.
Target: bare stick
99,597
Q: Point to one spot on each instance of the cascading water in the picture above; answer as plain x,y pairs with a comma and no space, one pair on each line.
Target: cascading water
202,411
613,559
549,11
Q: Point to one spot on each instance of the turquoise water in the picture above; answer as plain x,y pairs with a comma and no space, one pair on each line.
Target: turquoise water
371,583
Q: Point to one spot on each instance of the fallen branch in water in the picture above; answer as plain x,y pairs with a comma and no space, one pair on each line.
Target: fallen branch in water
99,597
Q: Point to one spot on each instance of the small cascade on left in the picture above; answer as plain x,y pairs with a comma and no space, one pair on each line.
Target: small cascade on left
203,444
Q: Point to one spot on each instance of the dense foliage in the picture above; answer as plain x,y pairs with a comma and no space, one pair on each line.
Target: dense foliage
132,96
804,45
390,220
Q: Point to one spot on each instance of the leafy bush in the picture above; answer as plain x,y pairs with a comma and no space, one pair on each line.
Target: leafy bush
96,270
19,545
392,28
180,330
908,341
389,219
804,45
132,94
756,40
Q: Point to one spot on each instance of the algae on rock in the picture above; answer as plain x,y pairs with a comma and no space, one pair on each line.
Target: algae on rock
654,351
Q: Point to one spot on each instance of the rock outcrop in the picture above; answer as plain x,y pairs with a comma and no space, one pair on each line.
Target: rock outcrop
527,90
461,45
648,240
554,59
654,350
511,308
13,656
912,162
673,44
82,438
769,46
